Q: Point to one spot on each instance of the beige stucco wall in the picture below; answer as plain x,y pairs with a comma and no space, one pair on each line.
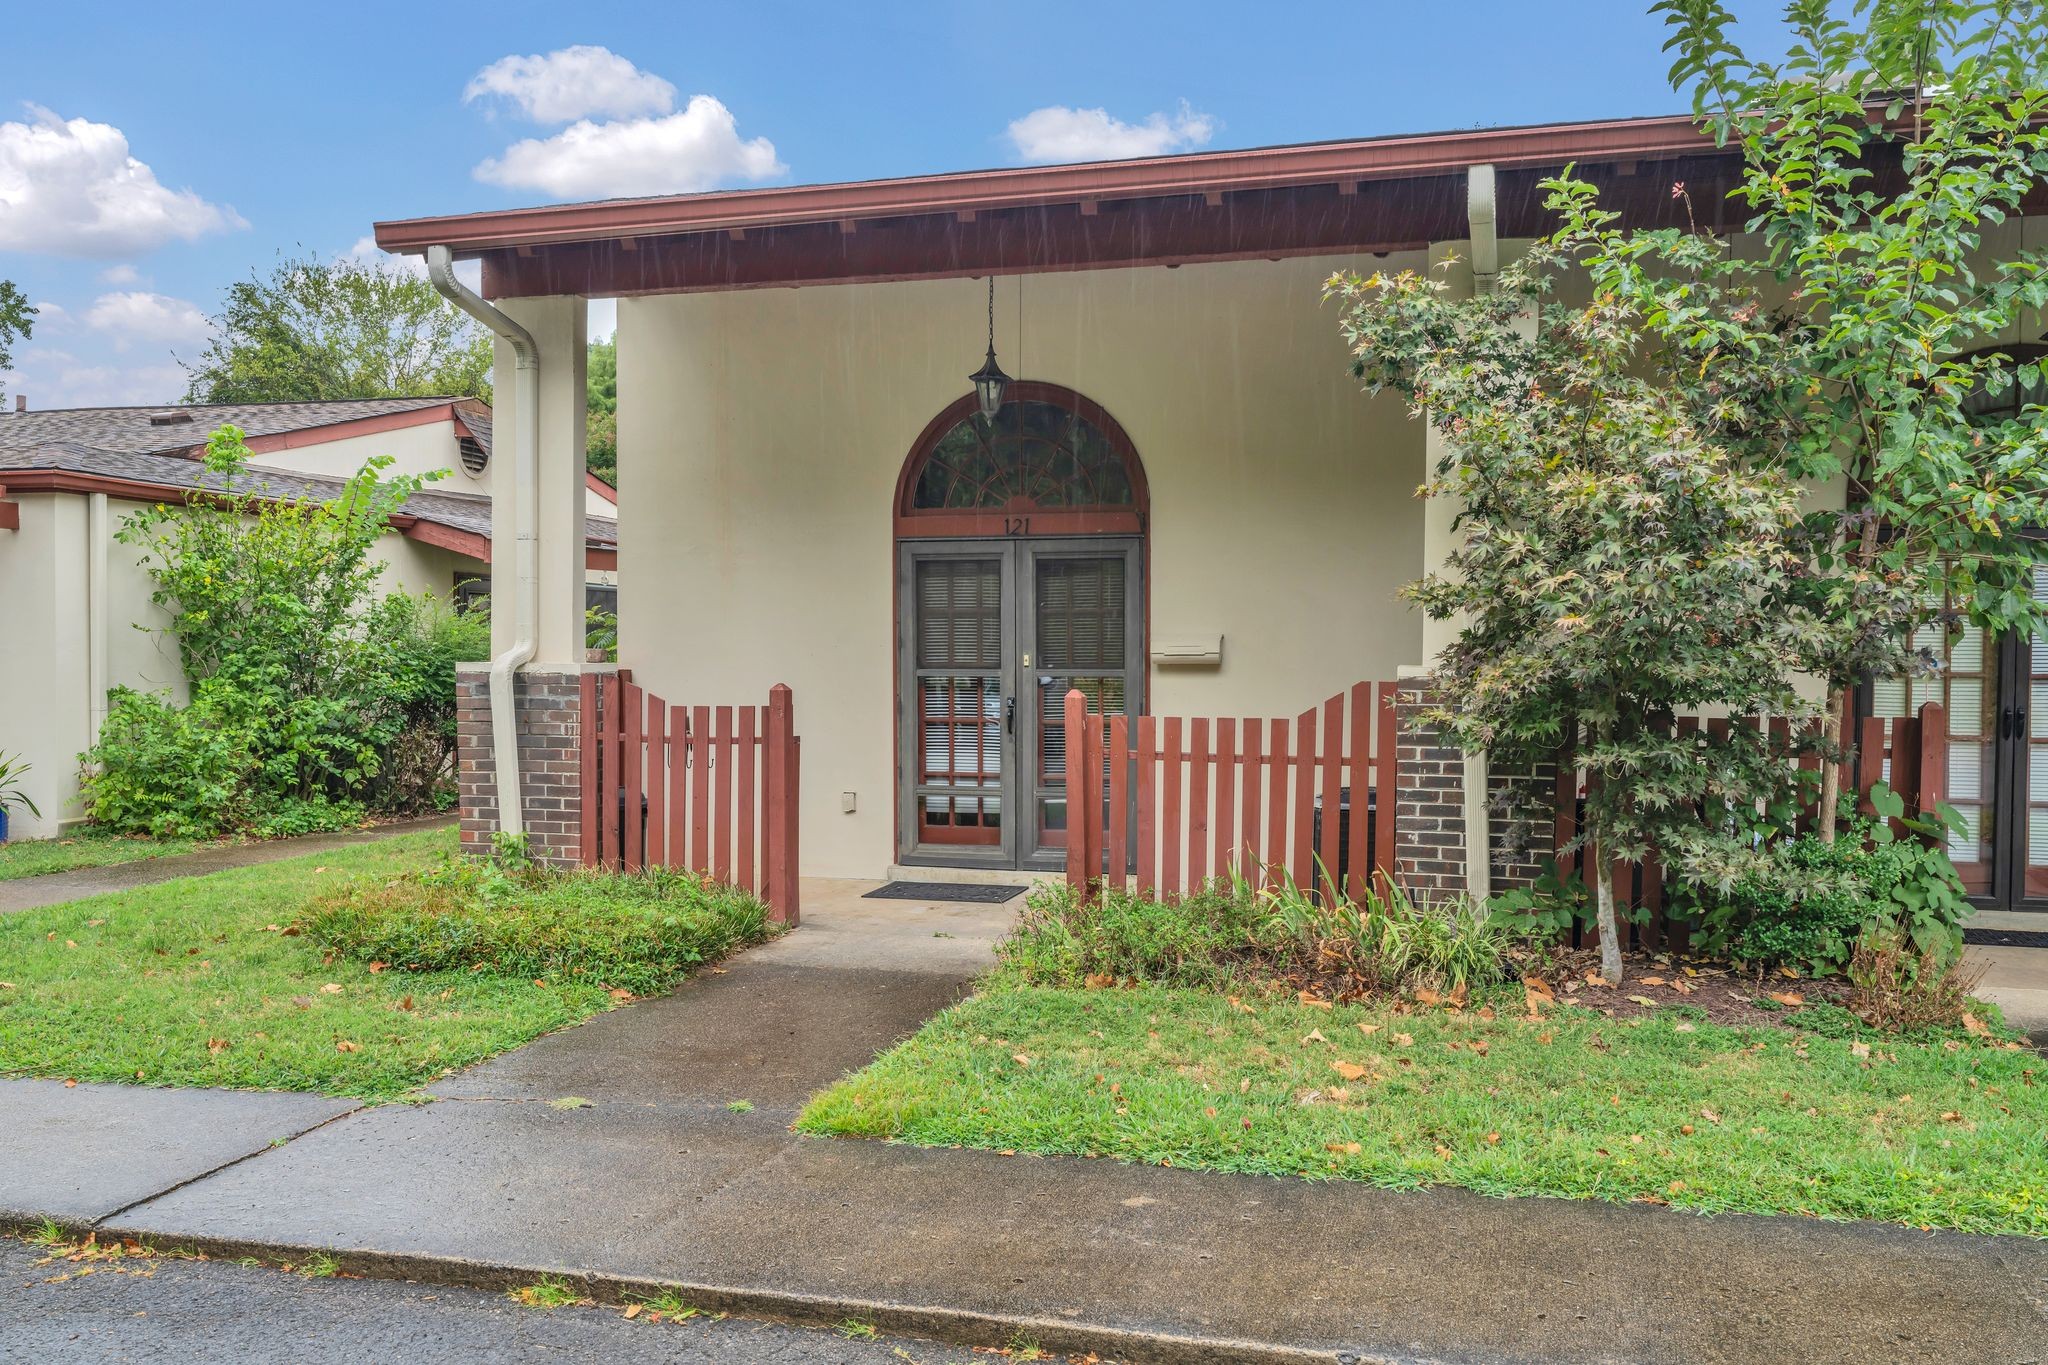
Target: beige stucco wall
424,449
762,433
45,685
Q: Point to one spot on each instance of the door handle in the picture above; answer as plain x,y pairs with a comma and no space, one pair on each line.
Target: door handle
1010,718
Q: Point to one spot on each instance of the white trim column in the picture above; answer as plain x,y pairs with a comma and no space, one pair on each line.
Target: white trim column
558,327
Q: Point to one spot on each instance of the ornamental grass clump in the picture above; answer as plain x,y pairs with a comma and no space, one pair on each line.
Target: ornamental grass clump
640,933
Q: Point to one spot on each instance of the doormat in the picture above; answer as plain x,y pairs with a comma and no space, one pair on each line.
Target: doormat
949,891
2007,938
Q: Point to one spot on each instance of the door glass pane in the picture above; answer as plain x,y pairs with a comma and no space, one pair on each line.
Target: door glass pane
1080,632
958,651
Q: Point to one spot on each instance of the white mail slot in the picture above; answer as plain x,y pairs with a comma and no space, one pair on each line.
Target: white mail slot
1204,651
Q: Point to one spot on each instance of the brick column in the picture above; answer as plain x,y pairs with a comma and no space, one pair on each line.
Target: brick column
1429,809
1520,796
549,710
1430,839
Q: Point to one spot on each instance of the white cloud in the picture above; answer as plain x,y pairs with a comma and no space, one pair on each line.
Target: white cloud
57,379
680,153
138,316
573,83
1057,133
120,274
71,188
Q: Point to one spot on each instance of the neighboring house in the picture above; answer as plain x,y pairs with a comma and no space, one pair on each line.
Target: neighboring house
75,608
1185,504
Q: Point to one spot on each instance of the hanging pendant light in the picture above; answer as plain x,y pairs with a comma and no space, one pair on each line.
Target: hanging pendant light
990,381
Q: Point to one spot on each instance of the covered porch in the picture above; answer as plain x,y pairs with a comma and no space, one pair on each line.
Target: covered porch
1182,504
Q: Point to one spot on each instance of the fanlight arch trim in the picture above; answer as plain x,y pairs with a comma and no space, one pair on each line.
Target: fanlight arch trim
1052,463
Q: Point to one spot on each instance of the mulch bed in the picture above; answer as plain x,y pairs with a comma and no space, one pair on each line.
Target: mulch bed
1650,982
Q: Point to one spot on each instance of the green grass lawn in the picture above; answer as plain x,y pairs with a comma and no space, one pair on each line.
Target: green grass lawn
1943,1133
192,982
35,857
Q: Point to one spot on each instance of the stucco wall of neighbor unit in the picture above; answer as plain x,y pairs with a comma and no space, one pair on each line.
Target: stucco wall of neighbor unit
419,449
762,433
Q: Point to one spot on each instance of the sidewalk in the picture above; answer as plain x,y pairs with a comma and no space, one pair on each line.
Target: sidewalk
31,893
657,1180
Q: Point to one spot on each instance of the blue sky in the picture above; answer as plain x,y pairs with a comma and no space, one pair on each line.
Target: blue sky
268,128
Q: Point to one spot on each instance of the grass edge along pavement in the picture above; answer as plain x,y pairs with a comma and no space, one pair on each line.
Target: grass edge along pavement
1943,1132
21,858
200,981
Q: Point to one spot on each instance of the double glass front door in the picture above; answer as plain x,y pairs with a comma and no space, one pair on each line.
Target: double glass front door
991,636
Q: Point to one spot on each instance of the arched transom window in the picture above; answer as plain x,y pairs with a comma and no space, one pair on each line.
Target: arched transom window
1049,463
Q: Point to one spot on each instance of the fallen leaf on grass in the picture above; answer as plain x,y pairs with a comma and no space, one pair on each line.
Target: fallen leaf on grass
1595,979
632,1310
346,1046
70,1082
1653,981
1404,1040
331,988
1314,1036
1975,1025
1311,1000
621,994
217,1045
1099,981
1427,997
378,967
1344,1148
1787,997
1859,1049
1239,1005
1368,1029
1021,1058
1350,1071
1644,1001
1683,1026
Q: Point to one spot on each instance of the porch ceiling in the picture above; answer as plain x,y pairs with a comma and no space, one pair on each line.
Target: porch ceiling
1380,194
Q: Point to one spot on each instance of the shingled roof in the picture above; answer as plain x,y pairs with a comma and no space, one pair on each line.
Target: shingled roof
174,428
123,454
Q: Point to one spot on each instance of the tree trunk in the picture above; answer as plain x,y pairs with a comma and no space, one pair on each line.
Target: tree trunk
1831,769
1603,913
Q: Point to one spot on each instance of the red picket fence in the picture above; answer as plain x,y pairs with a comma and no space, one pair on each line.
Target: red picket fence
715,788
1185,800
1909,754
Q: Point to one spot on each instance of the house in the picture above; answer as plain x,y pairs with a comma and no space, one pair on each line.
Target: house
72,597
1183,506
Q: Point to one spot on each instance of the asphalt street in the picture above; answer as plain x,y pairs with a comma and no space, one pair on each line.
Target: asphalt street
164,1309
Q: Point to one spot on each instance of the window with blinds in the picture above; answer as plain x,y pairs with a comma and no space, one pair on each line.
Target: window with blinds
1080,619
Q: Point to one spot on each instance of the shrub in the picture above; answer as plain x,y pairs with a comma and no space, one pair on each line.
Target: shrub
1203,939
640,932
1808,903
169,771
1228,931
1895,985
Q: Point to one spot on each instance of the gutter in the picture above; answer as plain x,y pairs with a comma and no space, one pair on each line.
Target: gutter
526,523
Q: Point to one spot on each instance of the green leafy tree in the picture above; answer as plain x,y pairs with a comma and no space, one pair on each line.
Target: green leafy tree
601,446
316,330
17,321
297,687
1879,157
1617,565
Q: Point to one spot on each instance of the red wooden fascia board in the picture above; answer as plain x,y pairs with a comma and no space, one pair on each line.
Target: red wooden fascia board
969,192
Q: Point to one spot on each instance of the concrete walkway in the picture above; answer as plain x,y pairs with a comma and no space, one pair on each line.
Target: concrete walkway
54,888
656,1179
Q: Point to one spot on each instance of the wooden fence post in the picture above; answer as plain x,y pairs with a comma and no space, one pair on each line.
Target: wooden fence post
779,808
1933,760
1076,750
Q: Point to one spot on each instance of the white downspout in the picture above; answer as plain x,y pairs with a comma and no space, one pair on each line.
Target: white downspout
526,520
99,539
1479,213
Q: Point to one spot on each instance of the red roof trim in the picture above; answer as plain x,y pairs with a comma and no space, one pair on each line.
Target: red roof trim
975,191
597,485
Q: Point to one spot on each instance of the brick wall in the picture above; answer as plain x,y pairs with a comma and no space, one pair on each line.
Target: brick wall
1520,802
550,759
1429,831
1429,810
